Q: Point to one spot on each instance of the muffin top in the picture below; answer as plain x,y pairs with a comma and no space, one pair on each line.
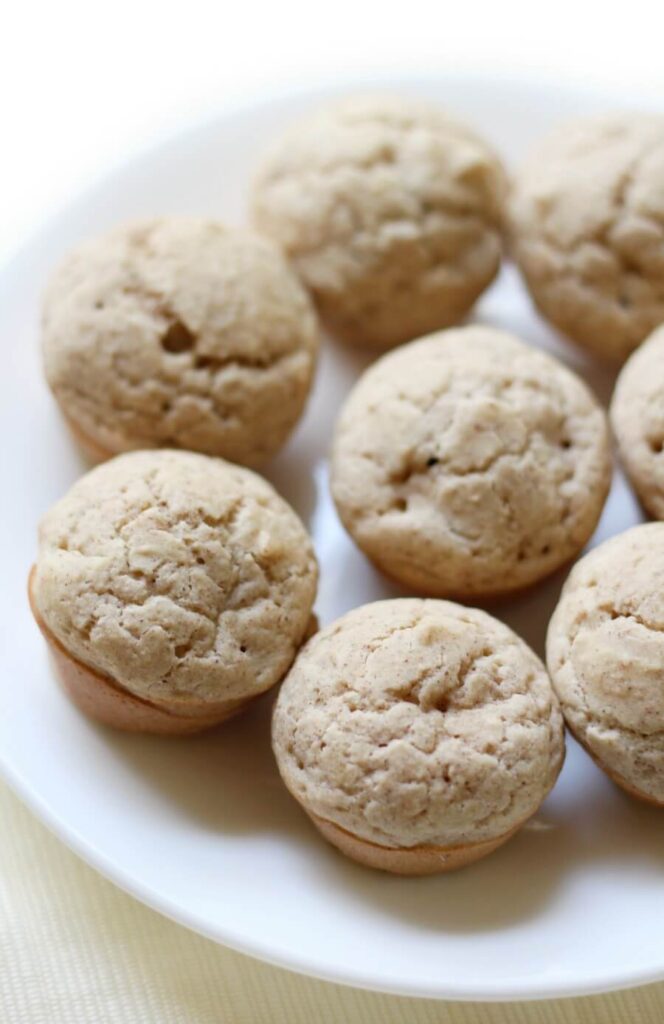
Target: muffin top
177,575
412,722
605,652
637,417
390,211
468,464
587,214
180,332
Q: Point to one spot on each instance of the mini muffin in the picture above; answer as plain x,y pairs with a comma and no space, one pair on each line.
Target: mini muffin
637,417
605,652
180,333
418,735
172,589
389,210
467,464
587,215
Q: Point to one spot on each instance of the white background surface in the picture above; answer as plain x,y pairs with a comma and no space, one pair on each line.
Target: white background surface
84,83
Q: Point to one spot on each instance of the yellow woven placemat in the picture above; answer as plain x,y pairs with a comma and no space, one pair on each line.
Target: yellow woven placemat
76,950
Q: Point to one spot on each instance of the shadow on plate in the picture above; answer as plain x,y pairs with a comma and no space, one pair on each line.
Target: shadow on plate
293,470
580,827
227,782
224,780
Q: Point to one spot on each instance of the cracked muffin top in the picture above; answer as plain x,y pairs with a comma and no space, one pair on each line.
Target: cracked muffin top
389,210
637,418
587,223
468,464
605,651
177,575
412,722
182,333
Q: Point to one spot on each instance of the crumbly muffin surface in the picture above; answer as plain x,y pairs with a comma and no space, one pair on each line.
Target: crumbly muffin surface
180,332
587,225
390,211
468,464
637,418
411,722
605,652
177,575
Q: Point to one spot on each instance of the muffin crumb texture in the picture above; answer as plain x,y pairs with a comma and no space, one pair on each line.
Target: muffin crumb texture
587,224
179,332
412,722
176,575
390,211
468,464
605,651
637,417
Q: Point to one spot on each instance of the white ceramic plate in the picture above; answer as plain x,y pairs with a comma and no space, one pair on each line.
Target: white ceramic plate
201,829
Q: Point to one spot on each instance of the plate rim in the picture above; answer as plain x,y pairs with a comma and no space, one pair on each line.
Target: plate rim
12,265
95,858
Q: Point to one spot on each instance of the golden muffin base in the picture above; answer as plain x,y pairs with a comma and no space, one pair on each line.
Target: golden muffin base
618,780
416,860
486,599
108,702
